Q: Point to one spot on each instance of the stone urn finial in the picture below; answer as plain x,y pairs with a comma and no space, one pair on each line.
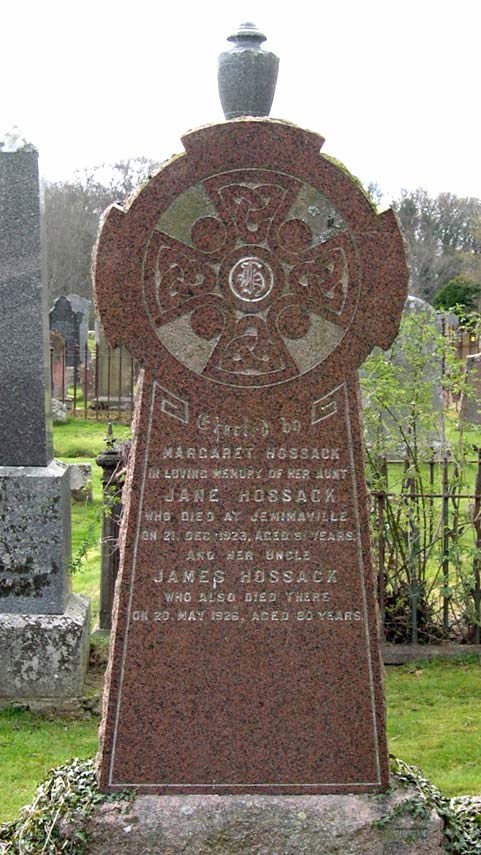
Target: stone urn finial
247,74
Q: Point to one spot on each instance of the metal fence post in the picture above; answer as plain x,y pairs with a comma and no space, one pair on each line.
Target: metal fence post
110,463
445,542
477,554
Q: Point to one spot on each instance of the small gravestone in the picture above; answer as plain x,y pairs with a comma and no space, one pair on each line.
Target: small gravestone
81,482
65,320
431,371
245,656
82,306
59,412
43,627
116,373
470,410
415,361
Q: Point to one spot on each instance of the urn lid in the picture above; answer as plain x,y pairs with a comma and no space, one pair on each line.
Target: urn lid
247,74
247,35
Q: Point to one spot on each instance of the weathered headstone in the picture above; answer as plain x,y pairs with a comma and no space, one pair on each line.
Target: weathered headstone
115,374
43,627
431,371
59,412
396,427
81,482
67,321
81,305
470,409
245,655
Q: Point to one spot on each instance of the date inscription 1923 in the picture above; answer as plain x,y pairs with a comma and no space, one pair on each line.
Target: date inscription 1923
250,277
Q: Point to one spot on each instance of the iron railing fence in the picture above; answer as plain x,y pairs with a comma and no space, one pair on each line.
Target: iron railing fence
425,525
99,382
95,382
426,541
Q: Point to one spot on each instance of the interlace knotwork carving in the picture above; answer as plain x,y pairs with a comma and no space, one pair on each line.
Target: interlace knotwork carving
252,280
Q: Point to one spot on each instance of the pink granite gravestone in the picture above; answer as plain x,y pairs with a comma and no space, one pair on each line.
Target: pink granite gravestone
250,277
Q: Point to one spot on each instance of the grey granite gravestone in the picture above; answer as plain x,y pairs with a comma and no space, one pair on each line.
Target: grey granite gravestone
413,353
470,409
43,626
81,305
25,434
116,372
66,320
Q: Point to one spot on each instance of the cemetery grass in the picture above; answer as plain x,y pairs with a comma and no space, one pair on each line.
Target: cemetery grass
434,722
81,438
434,715
79,441
30,745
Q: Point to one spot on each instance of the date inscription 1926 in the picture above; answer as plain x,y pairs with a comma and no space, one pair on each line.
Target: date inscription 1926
250,277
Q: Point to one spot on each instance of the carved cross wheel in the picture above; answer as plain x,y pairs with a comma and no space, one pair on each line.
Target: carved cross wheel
250,276
252,280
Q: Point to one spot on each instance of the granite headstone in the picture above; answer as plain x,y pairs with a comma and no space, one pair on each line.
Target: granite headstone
245,653
43,627
82,306
116,373
67,321
470,409
25,426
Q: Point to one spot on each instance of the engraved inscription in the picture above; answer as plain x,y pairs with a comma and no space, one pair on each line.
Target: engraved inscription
245,604
259,529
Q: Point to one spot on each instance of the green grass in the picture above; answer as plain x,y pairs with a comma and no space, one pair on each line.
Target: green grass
434,709
86,547
79,441
30,745
83,438
434,721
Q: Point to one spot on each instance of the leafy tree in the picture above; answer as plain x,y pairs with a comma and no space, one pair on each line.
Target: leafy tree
443,237
72,214
460,295
425,548
429,266
375,193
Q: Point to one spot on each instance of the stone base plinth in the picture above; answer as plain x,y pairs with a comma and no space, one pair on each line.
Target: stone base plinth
34,539
45,656
266,825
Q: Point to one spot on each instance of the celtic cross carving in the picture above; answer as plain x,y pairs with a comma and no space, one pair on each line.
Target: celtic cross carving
253,297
